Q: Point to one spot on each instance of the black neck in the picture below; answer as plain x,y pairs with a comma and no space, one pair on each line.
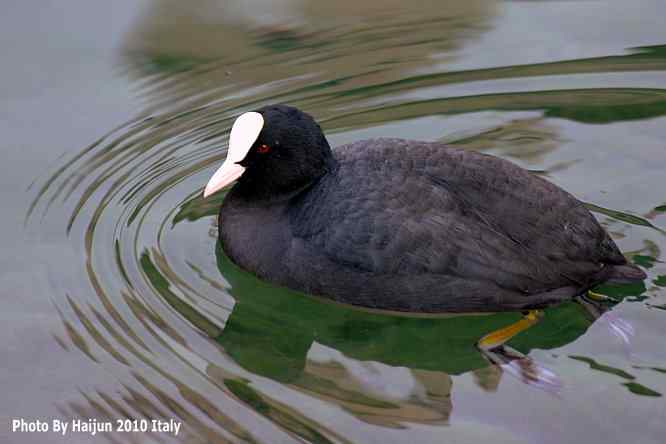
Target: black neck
255,188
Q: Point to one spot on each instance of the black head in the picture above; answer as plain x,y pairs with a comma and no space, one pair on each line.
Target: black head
289,153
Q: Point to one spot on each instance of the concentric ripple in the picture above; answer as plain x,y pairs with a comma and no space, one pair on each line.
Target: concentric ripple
150,296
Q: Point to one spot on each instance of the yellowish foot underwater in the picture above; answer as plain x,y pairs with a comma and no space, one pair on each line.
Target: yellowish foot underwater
494,348
599,297
595,304
499,337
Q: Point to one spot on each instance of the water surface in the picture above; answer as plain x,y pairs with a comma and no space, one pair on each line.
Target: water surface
120,304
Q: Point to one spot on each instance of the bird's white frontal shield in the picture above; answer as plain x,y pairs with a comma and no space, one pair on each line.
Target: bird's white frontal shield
244,133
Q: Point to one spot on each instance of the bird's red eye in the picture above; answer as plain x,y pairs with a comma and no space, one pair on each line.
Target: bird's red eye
263,149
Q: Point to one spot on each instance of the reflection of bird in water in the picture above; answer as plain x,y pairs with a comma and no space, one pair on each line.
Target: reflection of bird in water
280,334
527,139
406,226
256,42
375,392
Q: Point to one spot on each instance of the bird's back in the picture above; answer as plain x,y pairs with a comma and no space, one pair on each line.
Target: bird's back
405,211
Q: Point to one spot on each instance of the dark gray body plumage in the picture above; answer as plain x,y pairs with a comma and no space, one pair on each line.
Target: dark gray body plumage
420,227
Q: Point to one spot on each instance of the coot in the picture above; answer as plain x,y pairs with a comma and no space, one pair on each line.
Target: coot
403,225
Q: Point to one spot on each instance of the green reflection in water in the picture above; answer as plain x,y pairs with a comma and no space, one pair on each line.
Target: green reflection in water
161,285
604,368
620,292
271,330
632,385
169,63
645,261
634,103
608,114
641,390
660,281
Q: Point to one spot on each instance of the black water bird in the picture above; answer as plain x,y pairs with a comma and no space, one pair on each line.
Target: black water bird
403,225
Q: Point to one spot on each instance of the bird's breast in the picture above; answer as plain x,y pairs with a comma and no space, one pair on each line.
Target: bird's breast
253,238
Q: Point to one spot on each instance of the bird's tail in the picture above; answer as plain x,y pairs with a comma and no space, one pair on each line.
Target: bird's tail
624,274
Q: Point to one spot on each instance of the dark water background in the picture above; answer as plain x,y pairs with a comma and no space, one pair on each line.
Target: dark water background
117,303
